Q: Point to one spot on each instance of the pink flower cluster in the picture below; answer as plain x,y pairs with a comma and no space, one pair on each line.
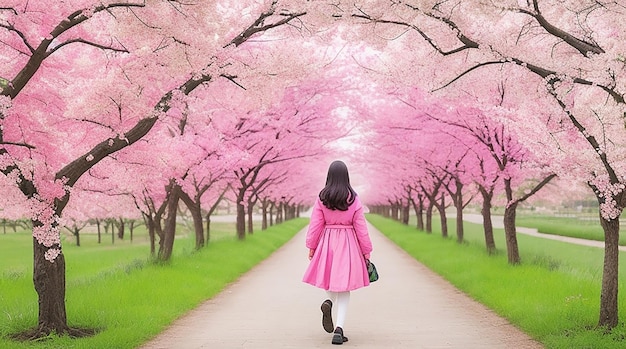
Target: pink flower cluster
47,233
52,254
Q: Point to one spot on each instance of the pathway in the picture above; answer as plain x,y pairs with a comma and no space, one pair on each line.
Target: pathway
409,307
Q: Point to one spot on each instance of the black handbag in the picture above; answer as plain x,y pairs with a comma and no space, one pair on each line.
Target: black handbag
371,270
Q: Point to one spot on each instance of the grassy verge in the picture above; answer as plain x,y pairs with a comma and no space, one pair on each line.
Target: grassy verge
553,296
589,229
119,291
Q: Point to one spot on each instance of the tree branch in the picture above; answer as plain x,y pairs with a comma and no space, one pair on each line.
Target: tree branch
590,138
19,144
11,9
89,43
20,34
581,46
537,188
542,72
260,26
76,168
479,65
40,53
467,43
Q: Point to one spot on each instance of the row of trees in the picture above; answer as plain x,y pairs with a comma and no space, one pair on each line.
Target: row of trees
83,81
525,90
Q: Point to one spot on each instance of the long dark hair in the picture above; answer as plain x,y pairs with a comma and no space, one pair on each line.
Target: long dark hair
338,193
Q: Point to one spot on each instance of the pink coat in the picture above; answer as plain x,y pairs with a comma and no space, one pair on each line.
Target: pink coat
340,239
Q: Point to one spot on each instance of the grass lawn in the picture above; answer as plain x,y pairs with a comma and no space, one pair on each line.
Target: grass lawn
553,295
579,227
119,291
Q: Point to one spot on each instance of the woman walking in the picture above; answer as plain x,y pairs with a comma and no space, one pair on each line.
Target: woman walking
339,244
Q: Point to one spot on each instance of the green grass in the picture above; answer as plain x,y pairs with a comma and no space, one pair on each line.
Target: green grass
588,228
119,291
553,295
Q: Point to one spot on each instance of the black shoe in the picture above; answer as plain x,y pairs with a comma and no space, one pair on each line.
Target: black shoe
338,337
327,318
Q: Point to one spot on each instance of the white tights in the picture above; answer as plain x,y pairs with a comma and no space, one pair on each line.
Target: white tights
341,300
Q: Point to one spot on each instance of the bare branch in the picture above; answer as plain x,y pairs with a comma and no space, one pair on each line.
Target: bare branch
232,78
19,145
20,34
467,43
83,41
584,47
39,54
537,188
551,75
11,9
479,65
260,26
590,138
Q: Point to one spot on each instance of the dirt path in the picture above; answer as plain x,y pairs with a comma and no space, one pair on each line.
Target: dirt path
409,307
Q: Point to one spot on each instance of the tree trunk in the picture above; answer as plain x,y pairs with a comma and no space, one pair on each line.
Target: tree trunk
442,216
241,217
429,217
487,223
459,224
405,214
210,212
49,281
263,214
394,212
198,226
99,233
272,206
167,242
77,234
510,233
151,232
288,211
510,212
458,203
279,213
121,229
250,212
419,212
196,214
208,228
285,215
158,228
608,296
264,220
292,211
131,229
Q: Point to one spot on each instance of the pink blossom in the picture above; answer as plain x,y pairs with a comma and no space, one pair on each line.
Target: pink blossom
51,254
